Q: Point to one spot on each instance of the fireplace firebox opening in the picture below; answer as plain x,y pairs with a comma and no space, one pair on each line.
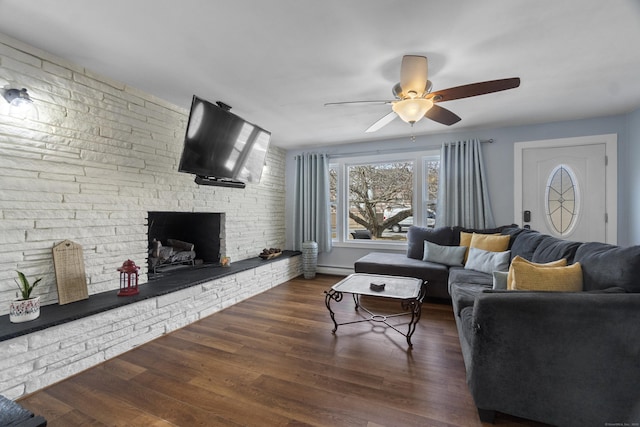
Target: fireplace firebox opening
183,239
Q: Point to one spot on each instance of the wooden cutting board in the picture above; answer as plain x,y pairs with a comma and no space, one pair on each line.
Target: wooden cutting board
71,280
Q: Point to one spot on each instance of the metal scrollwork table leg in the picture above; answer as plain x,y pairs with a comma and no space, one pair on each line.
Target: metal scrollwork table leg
411,307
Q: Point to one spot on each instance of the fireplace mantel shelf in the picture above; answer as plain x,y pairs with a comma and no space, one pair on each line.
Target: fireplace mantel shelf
165,283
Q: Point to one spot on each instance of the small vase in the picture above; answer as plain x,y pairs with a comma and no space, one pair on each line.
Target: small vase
24,310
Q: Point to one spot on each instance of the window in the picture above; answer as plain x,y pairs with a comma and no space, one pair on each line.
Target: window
562,201
431,167
377,198
333,199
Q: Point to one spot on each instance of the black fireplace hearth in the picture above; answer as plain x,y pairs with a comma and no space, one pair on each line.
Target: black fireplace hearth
159,284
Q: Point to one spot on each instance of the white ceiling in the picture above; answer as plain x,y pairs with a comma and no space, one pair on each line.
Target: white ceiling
277,62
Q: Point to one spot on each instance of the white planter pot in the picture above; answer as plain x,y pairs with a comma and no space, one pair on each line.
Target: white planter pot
24,310
309,259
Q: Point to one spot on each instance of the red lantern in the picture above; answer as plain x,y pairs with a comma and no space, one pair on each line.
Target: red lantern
128,279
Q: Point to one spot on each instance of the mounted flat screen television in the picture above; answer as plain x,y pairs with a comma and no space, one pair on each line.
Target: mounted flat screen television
221,148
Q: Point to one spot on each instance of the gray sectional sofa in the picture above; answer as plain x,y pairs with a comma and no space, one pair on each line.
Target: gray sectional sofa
411,264
562,358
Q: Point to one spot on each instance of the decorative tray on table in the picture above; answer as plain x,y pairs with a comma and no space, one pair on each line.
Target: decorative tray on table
270,253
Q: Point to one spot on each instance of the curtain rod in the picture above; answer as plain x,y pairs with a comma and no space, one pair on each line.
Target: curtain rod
482,141
489,141
390,151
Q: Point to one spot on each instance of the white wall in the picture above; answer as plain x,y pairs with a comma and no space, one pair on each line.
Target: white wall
99,156
499,165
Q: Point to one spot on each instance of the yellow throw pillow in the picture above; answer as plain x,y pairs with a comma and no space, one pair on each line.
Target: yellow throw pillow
487,242
465,239
518,259
490,242
530,277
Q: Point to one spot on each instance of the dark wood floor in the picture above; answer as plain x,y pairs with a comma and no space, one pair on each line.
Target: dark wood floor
273,361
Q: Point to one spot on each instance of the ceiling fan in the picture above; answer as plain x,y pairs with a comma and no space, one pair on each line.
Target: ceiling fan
414,99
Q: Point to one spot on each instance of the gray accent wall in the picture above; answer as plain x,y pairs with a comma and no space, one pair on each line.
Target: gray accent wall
629,182
499,165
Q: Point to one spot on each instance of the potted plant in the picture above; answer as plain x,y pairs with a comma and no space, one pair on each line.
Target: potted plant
24,308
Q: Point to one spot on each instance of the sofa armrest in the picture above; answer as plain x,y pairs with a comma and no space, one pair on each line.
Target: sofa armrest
12,414
572,356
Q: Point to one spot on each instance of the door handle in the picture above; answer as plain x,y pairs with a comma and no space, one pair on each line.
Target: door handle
526,216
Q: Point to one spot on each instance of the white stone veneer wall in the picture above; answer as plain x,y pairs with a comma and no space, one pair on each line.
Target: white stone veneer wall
100,155
34,361
97,157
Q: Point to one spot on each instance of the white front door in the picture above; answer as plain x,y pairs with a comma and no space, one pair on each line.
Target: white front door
563,188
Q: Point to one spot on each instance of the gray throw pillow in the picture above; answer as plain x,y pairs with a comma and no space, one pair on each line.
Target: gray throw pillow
447,255
487,261
500,280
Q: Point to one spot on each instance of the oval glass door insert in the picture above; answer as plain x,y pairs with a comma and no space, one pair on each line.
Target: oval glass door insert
562,201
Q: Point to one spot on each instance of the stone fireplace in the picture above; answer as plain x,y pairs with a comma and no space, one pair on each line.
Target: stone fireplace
183,239
89,170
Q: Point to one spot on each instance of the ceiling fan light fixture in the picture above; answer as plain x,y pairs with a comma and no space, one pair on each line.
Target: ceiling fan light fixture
412,110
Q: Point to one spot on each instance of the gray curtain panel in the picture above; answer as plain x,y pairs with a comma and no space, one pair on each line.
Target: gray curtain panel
312,220
463,197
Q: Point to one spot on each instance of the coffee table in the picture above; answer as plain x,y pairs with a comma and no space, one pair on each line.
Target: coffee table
410,291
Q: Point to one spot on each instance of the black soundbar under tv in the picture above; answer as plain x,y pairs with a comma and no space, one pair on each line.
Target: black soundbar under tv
204,180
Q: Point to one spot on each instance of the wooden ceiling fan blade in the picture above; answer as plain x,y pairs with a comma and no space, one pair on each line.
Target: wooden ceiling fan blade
413,74
356,103
382,122
442,115
474,89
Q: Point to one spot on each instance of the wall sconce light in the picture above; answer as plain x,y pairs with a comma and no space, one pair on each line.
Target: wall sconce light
17,97
21,105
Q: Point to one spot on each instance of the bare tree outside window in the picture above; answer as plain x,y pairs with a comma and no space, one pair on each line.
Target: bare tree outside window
376,187
430,199
375,199
333,200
